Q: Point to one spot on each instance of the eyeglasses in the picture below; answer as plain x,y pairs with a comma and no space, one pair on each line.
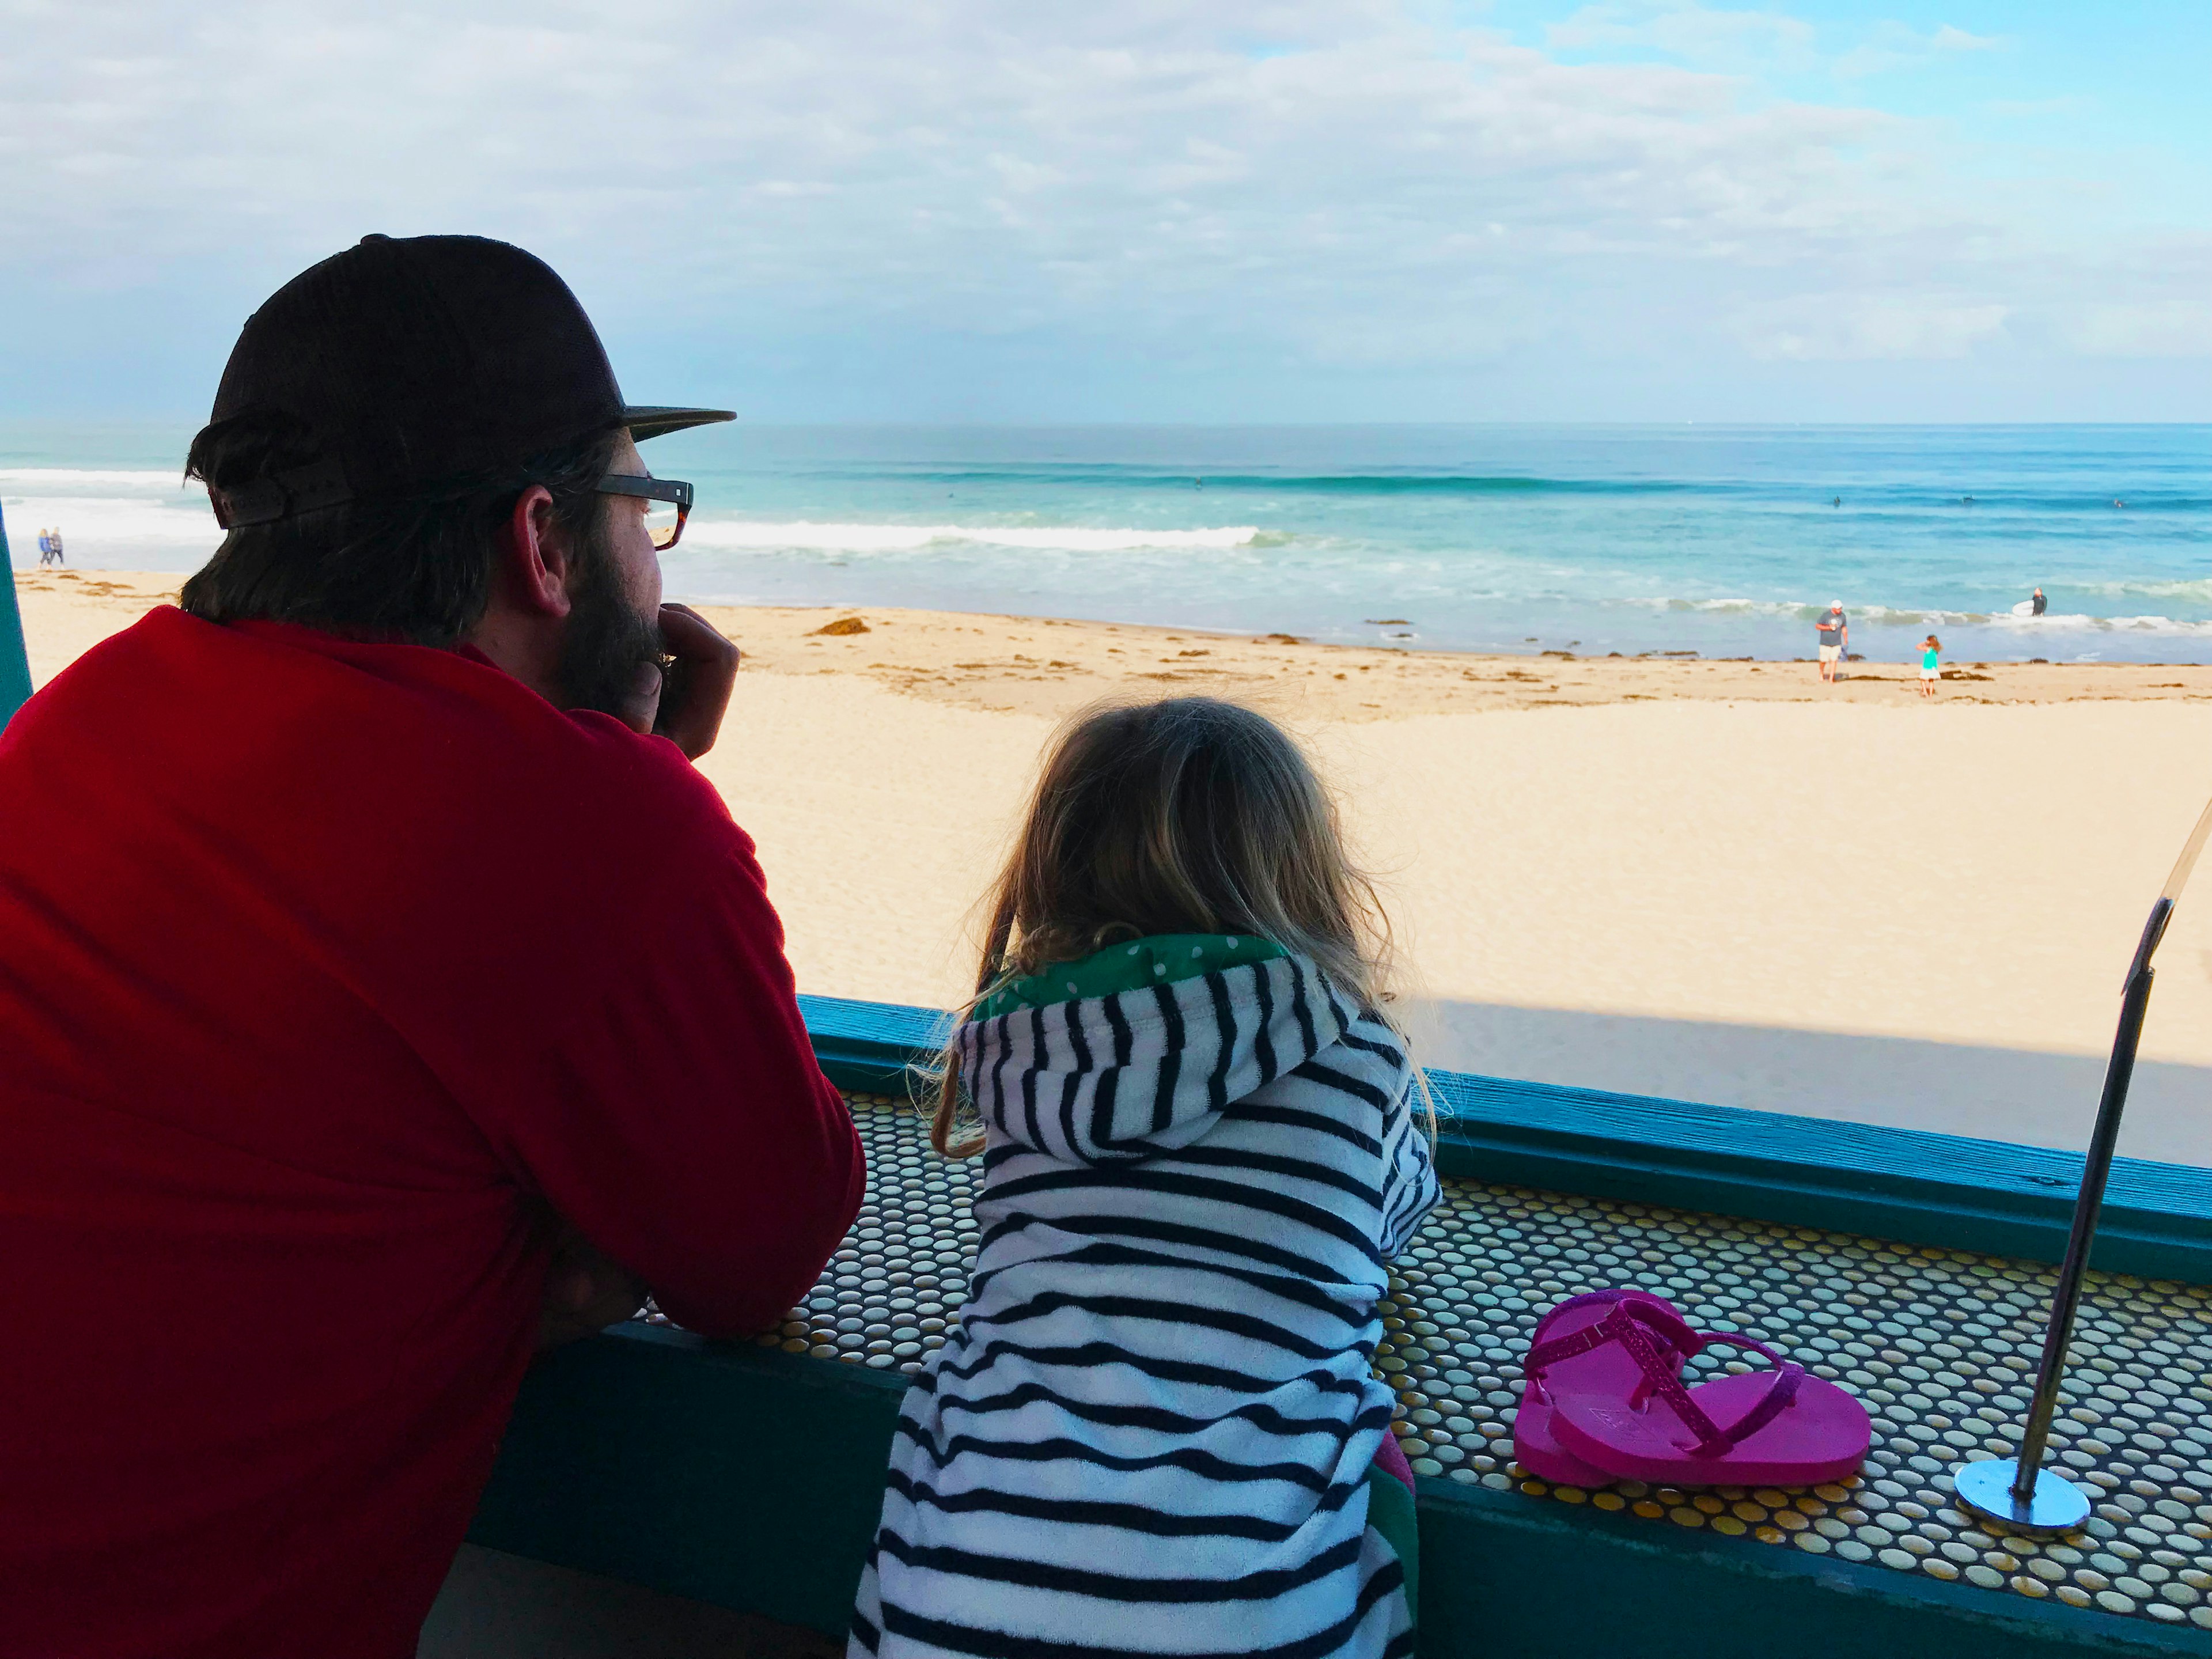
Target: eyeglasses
667,503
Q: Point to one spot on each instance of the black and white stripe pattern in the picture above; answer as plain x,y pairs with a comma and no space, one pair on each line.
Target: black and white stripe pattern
1151,1430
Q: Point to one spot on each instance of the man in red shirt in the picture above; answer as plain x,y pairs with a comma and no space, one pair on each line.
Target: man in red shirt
381,991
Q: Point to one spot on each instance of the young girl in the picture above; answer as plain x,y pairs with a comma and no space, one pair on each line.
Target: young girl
1931,665
1155,1429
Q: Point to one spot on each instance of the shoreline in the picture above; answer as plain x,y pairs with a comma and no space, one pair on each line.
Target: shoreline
1043,664
1007,664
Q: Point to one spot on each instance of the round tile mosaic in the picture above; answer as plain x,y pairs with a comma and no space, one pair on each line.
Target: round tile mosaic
1940,1346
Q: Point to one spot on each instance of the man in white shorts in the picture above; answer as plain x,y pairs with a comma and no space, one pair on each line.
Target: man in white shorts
1835,639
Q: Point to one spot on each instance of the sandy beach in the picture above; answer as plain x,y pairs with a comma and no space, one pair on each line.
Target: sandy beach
1716,881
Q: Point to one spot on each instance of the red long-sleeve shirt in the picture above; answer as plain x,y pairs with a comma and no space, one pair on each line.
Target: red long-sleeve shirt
326,970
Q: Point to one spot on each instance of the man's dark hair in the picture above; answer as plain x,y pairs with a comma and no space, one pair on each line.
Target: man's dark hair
417,569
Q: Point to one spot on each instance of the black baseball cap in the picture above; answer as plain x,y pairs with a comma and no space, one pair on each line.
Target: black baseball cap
416,361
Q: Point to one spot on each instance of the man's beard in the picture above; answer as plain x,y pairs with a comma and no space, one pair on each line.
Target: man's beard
608,640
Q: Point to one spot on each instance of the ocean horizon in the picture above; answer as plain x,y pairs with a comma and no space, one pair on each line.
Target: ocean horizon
1721,540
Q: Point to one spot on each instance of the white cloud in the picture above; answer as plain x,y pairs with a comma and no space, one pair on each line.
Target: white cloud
2157,329
1350,184
1748,42
1891,45
1700,34
1848,327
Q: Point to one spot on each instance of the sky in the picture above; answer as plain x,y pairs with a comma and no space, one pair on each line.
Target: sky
1208,210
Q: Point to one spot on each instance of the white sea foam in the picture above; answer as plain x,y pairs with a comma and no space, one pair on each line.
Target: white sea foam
1734,607
903,538
111,516
111,525
1889,616
2030,625
2197,588
67,479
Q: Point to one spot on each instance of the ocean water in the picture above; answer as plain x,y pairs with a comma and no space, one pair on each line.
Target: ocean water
1723,541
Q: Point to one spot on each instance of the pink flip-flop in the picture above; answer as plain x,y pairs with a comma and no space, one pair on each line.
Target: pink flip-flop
1783,1427
1560,1350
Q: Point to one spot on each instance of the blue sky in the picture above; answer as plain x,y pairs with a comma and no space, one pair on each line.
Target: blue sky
1250,210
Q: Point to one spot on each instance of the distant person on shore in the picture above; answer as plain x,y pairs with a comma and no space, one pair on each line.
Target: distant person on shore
1835,636
46,547
1931,665
2037,604
55,537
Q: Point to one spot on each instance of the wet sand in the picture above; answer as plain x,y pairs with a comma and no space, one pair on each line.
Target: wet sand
1716,881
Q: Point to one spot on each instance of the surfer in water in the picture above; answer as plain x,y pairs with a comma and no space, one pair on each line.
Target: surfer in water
2037,604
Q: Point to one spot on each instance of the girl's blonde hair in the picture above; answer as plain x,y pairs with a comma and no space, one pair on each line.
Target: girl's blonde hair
1187,816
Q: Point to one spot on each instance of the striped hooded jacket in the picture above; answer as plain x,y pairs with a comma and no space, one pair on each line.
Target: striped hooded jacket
1151,1432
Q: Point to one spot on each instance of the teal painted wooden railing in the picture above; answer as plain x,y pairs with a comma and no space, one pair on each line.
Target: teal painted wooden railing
15,655
1913,1185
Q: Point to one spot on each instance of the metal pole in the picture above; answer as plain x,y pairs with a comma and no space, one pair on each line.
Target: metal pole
2018,1490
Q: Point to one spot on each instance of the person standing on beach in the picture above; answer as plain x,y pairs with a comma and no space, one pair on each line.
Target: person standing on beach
1835,639
2037,603
1931,665
46,547
55,537
385,995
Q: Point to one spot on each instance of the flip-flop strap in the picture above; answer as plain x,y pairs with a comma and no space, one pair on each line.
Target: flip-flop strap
1540,1354
1771,1404
1737,1340
1625,1317
1662,1379
1714,1440
1777,1399
1587,1299
1626,1326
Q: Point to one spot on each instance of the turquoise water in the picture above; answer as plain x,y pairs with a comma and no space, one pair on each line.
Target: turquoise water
1726,541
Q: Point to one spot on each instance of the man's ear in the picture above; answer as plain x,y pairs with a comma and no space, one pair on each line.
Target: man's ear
534,556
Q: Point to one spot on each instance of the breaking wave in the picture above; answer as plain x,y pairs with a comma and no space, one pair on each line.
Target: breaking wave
69,479
1890,616
902,537
1410,483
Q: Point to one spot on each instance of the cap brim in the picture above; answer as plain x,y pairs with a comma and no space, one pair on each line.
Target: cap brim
657,421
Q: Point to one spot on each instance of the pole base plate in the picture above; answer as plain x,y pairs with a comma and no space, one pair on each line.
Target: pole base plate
2058,1506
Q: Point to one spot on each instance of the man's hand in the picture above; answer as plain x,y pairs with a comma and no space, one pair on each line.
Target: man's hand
585,1293
697,685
